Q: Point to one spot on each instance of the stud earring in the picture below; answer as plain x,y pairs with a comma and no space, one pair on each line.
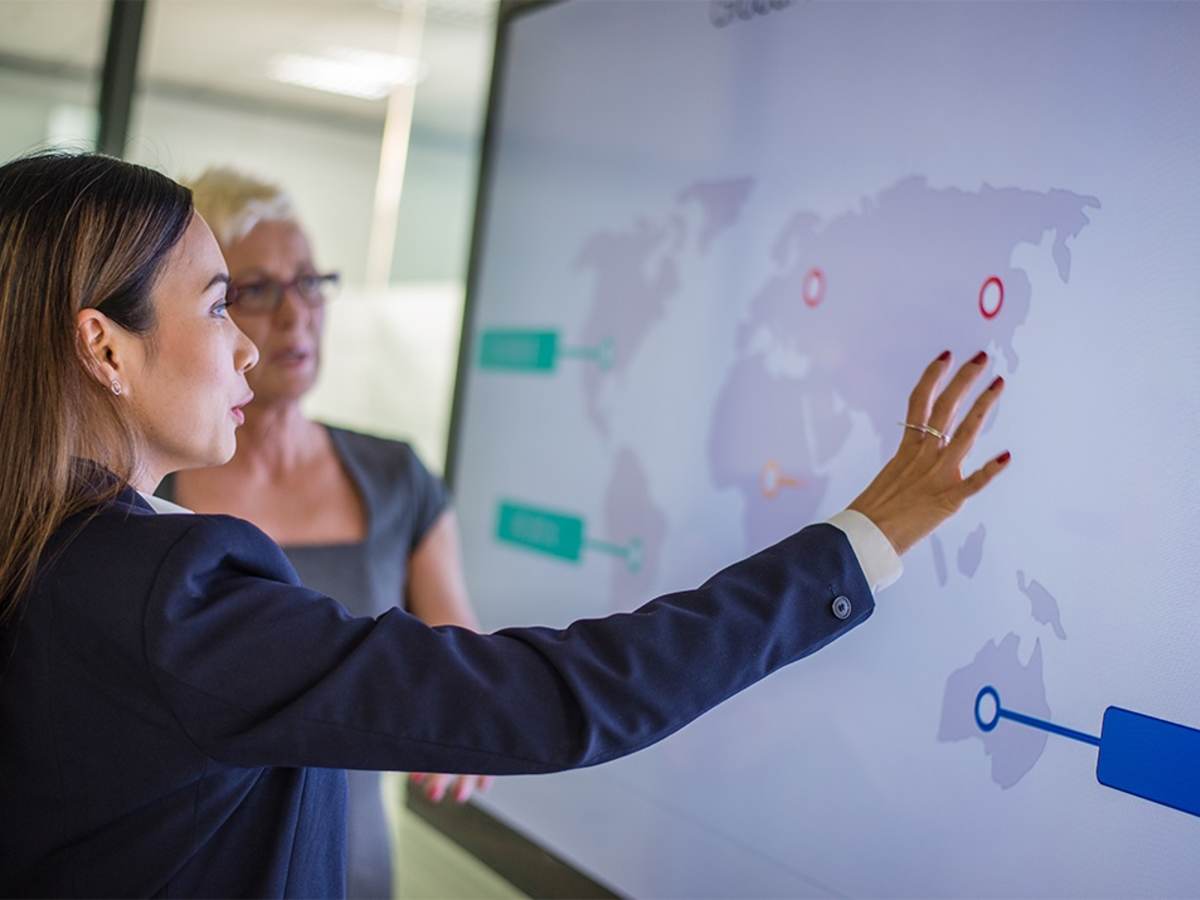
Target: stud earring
116,388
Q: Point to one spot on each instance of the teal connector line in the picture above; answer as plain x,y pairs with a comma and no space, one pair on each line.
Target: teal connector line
603,354
558,534
537,351
631,552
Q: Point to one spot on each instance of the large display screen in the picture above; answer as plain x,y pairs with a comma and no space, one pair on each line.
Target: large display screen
717,244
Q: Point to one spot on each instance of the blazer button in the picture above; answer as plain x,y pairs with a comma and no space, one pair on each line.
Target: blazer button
842,607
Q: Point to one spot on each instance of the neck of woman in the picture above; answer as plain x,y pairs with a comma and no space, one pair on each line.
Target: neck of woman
276,438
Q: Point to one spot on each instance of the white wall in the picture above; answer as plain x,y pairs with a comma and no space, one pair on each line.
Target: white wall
37,111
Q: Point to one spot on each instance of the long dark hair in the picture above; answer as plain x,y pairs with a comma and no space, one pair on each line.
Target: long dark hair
77,231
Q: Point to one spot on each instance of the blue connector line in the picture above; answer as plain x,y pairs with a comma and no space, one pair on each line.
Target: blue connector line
1150,758
1002,713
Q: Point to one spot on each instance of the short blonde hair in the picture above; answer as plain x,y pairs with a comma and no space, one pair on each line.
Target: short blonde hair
233,202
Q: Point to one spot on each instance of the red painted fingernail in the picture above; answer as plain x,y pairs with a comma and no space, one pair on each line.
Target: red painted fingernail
1004,457
995,384
945,356
979,358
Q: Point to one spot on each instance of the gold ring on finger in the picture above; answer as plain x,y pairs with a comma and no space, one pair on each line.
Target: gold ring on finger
927,429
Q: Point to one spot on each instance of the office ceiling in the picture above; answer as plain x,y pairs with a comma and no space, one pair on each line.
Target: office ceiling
227,47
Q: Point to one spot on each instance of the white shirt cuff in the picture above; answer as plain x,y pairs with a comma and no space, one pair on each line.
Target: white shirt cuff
879,560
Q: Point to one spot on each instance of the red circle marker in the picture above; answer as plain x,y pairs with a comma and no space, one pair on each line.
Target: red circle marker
991,313
814,288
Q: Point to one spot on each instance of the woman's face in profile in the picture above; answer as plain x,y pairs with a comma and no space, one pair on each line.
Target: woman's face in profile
288,338
186,383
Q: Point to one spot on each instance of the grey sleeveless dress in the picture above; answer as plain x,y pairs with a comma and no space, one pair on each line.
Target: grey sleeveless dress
403,500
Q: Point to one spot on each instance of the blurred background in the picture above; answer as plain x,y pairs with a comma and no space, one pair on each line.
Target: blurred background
370,113
301,92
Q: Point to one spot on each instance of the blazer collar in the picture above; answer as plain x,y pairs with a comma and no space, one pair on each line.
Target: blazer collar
129,497
101,479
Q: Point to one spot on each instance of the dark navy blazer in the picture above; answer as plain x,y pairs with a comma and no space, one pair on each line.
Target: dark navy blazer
176,710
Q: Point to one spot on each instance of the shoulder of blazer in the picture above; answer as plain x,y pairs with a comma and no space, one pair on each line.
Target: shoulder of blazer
214,546
126,544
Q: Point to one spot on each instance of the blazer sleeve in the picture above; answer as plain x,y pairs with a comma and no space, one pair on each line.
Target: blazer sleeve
258,670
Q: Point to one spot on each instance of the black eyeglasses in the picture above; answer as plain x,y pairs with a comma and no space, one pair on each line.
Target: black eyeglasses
263,295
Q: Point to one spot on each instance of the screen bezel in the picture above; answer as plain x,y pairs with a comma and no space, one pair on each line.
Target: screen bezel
513,855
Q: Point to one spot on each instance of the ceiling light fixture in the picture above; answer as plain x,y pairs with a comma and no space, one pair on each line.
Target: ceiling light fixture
366,74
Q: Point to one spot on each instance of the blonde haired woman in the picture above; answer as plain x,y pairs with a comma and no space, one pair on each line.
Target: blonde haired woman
177,710
360,517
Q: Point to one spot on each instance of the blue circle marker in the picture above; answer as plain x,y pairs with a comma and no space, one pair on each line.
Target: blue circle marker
986,691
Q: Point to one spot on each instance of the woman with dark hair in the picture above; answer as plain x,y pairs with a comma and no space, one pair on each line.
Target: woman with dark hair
176,710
